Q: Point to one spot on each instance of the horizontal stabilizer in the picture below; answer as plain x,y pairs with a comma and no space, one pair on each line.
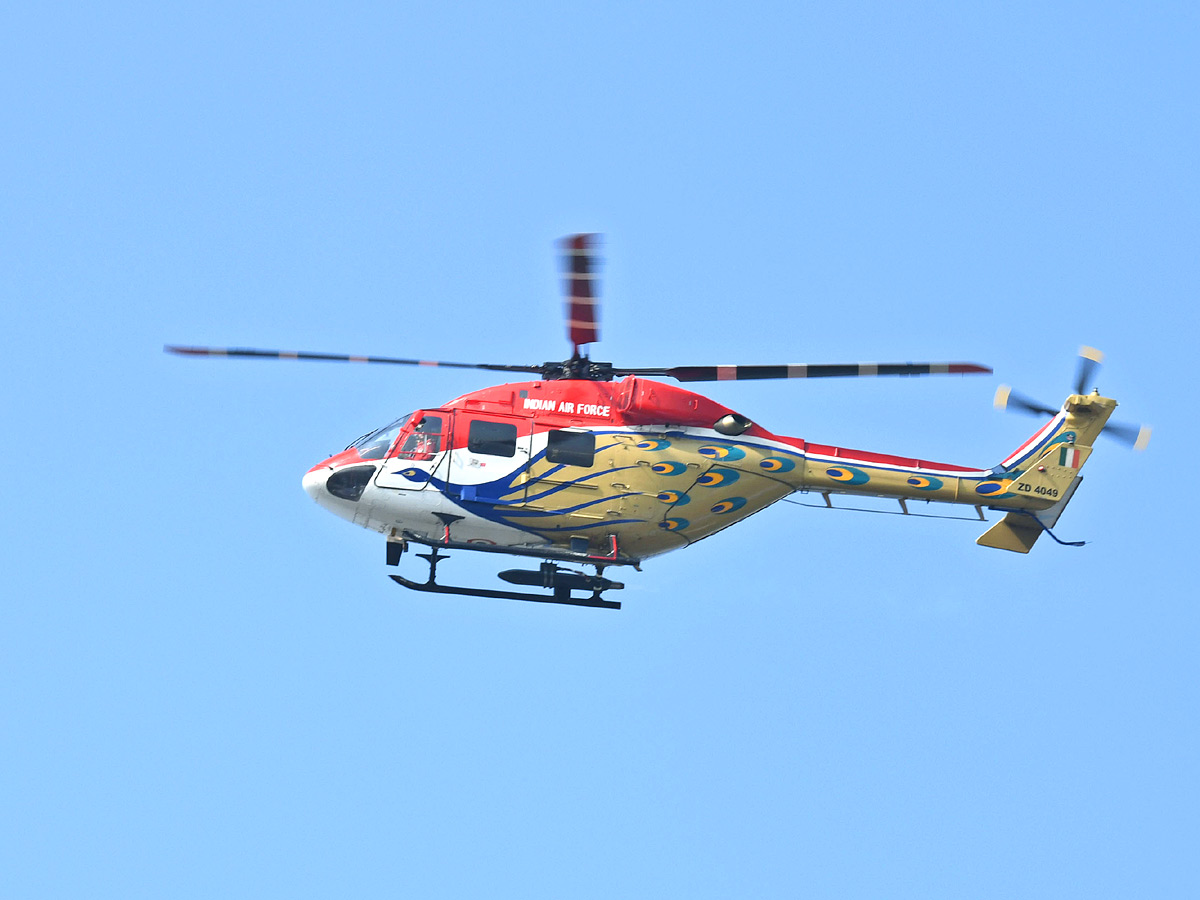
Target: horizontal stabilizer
1014,532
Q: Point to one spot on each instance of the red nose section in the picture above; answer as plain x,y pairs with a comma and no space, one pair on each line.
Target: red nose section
339,459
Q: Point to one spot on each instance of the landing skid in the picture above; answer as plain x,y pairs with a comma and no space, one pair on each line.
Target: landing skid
548,575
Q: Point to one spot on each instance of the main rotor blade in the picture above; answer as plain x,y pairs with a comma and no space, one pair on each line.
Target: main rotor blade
853,370
579,266
1089,360
246,353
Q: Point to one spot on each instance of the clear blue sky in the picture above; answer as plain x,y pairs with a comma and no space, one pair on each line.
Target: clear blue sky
210,687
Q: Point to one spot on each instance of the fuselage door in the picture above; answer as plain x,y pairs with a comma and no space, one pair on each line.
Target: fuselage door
490,460
420,455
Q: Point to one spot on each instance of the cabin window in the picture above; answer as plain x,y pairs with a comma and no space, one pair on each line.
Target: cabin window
572,448
492,438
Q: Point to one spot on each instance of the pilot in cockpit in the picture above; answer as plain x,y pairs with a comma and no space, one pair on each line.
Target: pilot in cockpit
424,441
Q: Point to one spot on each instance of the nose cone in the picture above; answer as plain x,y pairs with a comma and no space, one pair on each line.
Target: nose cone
314,481
340,489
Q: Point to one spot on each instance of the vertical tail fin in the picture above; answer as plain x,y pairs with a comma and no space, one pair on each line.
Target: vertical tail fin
1043,473
1061,447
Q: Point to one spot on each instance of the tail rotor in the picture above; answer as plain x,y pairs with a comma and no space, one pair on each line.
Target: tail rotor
1090,359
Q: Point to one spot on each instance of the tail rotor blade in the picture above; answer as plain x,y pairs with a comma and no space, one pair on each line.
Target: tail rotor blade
1007,398
1135,436
1089,360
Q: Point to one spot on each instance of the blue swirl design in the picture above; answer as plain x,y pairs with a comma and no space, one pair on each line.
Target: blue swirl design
716,476
550,513
567,484
668,468
504,500
848,474
718,451
925,482
676,498
994,489
777,464
554,470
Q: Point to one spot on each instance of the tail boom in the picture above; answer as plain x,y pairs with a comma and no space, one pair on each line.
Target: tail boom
1038,477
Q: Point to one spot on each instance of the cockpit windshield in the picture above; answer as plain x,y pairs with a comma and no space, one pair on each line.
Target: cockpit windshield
376,444
420,438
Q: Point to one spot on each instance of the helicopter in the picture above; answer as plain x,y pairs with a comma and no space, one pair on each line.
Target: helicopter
601,466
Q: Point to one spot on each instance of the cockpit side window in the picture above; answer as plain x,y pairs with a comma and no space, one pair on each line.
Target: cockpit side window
422,438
